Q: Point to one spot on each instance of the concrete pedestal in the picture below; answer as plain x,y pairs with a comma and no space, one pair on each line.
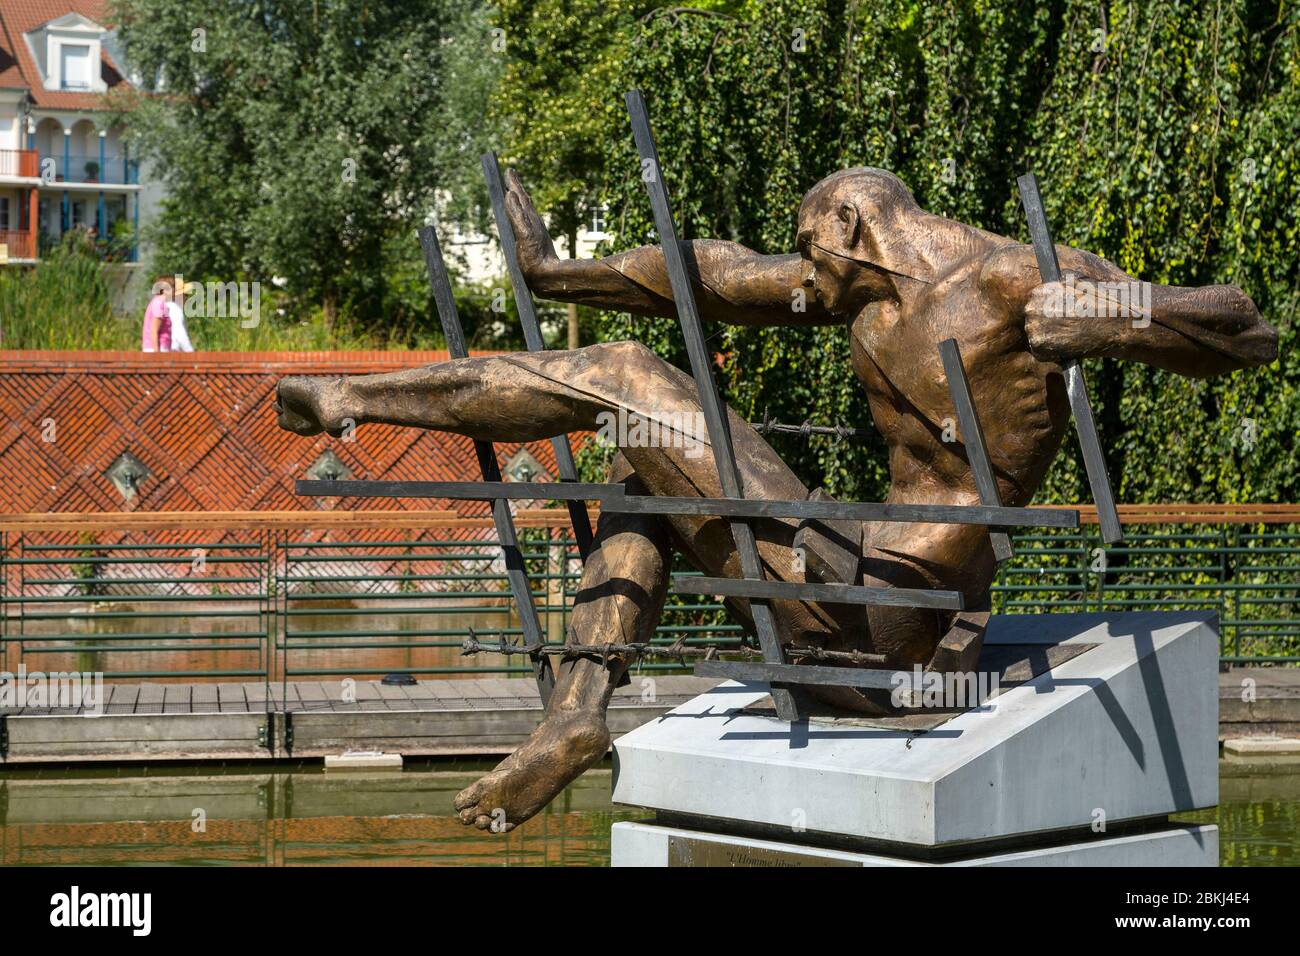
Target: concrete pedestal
1102,726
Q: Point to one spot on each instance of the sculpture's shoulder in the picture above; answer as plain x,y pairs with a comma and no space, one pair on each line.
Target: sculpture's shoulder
1009,272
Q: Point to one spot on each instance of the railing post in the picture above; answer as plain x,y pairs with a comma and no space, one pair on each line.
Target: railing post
1235,538
4,599
274,626
15,658
1085,571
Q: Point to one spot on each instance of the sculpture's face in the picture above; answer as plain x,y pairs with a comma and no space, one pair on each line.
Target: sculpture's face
834,243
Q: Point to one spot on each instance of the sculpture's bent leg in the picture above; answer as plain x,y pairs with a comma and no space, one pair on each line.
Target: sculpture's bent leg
624,584
535,395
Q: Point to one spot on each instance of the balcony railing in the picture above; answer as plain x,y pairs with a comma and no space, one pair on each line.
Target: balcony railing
18,162
86,168
18,245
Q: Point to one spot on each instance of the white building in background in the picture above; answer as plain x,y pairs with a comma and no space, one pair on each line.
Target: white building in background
63,164
478,259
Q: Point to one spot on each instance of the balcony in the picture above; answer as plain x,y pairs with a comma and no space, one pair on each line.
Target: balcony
86,169
18,163
18,245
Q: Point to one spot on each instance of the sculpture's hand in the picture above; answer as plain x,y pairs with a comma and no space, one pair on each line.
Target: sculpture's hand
536,250
1053,316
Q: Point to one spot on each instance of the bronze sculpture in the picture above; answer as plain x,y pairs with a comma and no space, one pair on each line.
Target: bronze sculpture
900,279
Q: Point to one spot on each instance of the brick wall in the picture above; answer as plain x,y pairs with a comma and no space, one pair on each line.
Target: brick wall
204,426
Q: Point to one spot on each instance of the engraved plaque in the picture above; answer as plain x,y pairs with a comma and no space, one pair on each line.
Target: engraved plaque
696,851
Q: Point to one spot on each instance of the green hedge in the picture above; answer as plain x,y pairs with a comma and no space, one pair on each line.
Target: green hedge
1164,133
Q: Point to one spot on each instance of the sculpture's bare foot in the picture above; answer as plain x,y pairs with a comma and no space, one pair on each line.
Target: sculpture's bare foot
558,751
310,405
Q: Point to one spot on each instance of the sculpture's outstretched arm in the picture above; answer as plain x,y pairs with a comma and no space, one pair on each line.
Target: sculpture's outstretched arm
1100,311
732,283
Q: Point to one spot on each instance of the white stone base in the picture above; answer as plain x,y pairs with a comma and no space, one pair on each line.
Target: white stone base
647,844
1118,724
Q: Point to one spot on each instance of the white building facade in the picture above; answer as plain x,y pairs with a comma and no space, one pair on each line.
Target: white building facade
63,164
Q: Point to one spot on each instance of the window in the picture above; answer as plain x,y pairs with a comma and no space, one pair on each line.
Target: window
4,213
598,219
75,63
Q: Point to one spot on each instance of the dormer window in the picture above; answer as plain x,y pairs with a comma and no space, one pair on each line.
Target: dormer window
75,64
67,51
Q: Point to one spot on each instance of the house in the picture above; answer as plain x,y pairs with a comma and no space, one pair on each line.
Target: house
479,260
63,164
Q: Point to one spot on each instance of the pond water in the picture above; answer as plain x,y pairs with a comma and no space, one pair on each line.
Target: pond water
298,814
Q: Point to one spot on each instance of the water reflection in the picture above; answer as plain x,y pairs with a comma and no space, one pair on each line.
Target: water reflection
250,815
238,815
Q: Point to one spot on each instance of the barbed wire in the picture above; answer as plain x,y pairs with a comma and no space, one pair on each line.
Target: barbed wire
677,650
807,429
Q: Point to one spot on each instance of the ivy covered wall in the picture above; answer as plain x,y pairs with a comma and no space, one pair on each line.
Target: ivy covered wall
1166,136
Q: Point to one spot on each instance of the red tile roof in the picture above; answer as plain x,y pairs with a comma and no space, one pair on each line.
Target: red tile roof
204,426
19,71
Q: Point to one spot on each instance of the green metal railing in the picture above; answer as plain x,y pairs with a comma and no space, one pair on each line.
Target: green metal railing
433,595
1248,576
277,606
73,606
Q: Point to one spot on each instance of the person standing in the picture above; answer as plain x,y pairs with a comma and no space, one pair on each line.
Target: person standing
157,320
176,312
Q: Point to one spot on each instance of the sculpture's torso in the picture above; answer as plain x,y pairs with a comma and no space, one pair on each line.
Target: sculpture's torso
1021,403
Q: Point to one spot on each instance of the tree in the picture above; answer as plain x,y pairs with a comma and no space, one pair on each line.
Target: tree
1166,136
308,140
559,100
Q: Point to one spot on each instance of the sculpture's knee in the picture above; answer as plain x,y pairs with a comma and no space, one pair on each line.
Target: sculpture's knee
628,356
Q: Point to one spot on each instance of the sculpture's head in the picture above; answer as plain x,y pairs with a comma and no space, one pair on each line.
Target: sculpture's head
855,235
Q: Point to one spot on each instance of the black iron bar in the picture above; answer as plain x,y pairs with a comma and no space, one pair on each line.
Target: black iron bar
972,437
715,418
578,515
750,672
824,593
845,511
516,574
613,498
463,490
1076,387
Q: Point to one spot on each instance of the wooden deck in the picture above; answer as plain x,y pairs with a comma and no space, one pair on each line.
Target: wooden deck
247,721
486,717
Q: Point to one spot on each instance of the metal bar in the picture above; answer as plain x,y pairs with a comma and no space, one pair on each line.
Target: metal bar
748,672
613,498
1075,385
972,436
533,338
715,418
489,490
491,471
845,510
826,593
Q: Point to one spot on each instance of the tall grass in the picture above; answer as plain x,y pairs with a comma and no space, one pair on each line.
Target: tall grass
66,302
62,303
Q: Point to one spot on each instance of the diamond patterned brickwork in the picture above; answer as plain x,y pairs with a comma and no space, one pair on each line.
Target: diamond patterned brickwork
204,426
